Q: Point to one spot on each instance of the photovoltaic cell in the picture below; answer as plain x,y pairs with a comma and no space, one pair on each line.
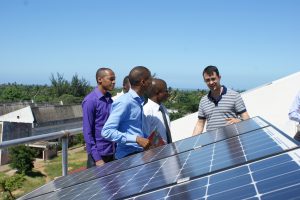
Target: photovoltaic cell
155,177
276,177
155,154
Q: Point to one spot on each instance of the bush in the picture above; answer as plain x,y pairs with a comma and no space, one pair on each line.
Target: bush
22,158
9,184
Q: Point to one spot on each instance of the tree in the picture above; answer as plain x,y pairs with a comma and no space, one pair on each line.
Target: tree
79,87
59,85
22,158
9,184
12,93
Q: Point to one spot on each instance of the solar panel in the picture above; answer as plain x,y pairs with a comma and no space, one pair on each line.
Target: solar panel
150,176
276,177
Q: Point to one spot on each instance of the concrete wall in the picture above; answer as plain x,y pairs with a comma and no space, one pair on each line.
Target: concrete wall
10,131
7,108
56,113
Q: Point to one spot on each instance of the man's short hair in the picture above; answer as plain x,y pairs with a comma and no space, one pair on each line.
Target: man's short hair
126,80
137,74
100,72
210,70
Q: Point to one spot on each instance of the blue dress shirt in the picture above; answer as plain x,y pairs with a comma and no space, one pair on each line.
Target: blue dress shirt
125,123
95,110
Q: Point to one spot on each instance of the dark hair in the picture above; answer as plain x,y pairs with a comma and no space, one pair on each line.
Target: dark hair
126,80
210,70
156,87
137,74
100,72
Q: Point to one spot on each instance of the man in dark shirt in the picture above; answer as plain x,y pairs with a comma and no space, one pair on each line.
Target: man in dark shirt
96,108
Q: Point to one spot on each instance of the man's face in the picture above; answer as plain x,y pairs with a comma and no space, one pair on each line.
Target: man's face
212,81
147,82
126,87
164,94
108,81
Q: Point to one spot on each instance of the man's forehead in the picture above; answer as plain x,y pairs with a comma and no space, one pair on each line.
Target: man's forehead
210,74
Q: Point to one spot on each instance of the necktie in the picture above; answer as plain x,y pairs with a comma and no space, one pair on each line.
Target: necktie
169,138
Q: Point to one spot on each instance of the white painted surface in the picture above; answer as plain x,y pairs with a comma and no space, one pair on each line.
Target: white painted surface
23,115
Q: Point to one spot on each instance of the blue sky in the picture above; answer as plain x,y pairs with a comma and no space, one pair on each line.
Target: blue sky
253,42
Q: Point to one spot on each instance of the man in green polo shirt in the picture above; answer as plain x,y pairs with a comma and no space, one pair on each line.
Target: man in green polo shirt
221,106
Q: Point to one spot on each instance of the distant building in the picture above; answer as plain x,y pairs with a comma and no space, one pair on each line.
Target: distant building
11,131
36,120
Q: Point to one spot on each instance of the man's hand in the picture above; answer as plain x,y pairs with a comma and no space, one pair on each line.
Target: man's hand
99,163
143,142
232,120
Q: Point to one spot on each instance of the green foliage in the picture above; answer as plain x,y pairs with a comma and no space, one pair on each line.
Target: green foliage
60,90
22,158
12,93
78,139
9,184
183,102
79,87
180,103
70,99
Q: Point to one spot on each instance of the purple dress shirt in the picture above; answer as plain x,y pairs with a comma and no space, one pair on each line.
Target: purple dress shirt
96,109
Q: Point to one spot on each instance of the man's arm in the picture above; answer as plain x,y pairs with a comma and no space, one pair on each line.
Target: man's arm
294,113
88,122
110,129
232,120
199,126
245,115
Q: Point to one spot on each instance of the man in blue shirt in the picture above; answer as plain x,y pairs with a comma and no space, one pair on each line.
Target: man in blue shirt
96,108
125,123
294,114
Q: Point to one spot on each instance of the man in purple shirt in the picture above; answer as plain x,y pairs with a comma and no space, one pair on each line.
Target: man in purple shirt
96,108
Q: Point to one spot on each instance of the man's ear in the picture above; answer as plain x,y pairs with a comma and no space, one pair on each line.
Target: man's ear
99,80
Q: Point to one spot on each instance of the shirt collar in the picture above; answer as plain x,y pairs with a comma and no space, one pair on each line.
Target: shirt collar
99,93
216,101
153,104
135,96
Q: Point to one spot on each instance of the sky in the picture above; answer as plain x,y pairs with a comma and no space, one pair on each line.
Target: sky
252,42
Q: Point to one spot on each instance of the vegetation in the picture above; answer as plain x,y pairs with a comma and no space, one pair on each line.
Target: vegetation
22,158
60,90
76,160
183,102
10,183
180,103
17,185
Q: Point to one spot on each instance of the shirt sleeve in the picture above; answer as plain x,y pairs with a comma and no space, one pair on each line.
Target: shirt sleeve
240,105
88,124
294,113
201,114
110,130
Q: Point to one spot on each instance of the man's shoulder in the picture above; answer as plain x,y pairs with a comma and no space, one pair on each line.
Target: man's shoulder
232,92
148,107
204,98
90,96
